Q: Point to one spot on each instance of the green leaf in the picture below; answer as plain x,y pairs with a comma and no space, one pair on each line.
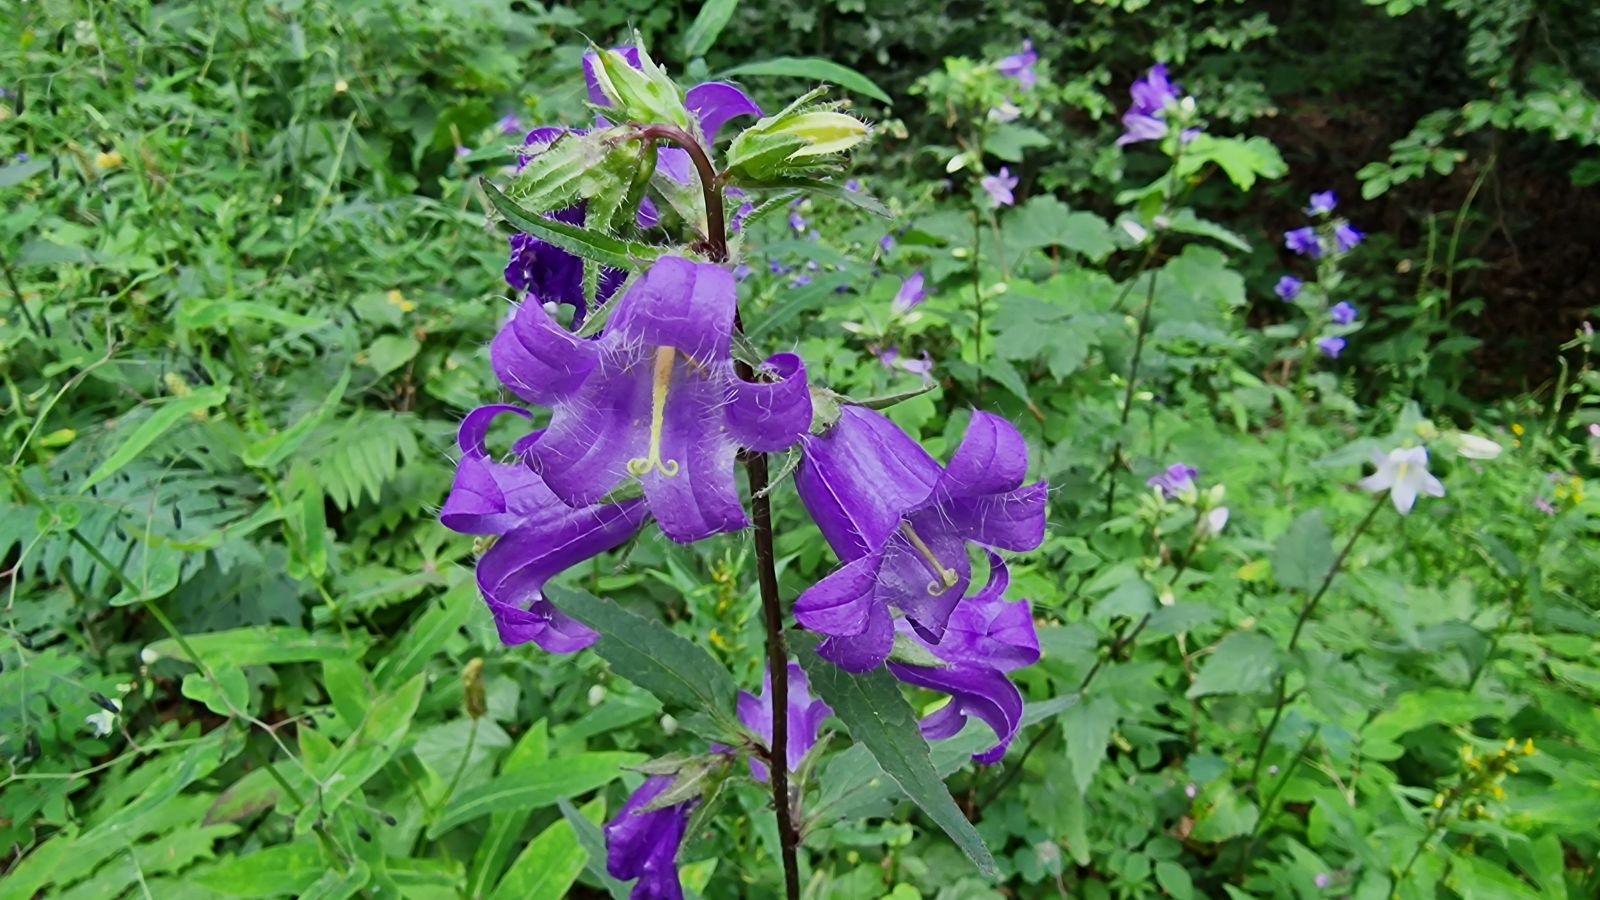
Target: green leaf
270,451
557,779
603,249
1242,160
549,865
713,17
1242,663
391,351
505,827
17,173
1304,553
593,841
876,714
271,872
794,301
253,646
649,654
1045,221
198,313
1009,141
164,418
811,68
233,698
365,753
427,635
1088,729
1174,879
1224,815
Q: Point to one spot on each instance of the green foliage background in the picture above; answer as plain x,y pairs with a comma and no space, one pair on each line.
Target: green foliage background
248,287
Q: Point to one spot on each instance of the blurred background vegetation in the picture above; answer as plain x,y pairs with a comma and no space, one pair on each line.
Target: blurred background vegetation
248,285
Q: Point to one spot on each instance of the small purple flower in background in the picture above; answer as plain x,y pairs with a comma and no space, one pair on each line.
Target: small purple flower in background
776,268
910,296
1342,313
900,524
886,244
1288,287
1303,241
1176,481
653,398
1322,880
800,280
1544,506
797,222
509,124
645,845
1000,187
853,185
986,637
1347,236
742,213
742,271
1146,119
1402,472
1331,347
1214,521
1019,66
463,151
1190,791
22,157
806,714
1322,203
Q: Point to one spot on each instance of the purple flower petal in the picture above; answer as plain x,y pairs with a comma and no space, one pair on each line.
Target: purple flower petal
974,691
714,103
540,361
645,845
805,717
590,60
768,416
861,479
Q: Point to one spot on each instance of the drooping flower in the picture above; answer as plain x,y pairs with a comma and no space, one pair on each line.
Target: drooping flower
806,714
655,398
1000,186
1322,203
886,244
645,845
1154,96
1303,241
1472,446
510,124
797,222
1176,481
910,296
539,536
1331,347
1019,66
1403,472
1213,522
1342,313
547,273
986,637
900,524
1288,287
1347,236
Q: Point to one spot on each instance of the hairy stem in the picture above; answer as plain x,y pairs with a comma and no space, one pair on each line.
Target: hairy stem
710,185
1299,626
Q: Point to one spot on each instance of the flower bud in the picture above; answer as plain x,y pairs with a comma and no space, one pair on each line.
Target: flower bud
823,132
597,695
1474,447
644,95
473,697
669,725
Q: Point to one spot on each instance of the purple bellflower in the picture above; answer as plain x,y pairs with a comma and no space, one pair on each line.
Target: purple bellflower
1303,241
1019,66
910,296
510,124
645,845
1347,236
547,273
985,638
655,398
1288,288
1177,480
1146,120
1322,203
539,536
1000,187
1331,347
900,524
1343,313
806,714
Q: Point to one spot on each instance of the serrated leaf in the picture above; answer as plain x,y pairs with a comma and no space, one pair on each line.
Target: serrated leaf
1088,728
1304,553
160,422
879,718
652,656
556,779
812,69
591,245
1045,221
1244,662
17,173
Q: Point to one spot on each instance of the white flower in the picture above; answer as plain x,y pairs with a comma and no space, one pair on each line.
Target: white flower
1402,472
1473,447
103,721
1213,522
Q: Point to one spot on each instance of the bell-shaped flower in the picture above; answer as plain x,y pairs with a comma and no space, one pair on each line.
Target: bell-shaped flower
654,398
1176,482
545,272
1154,98
986,637
539,536
909,297
1402,472
1000,187
1019,66
645,845
806,714
901,524
1322,203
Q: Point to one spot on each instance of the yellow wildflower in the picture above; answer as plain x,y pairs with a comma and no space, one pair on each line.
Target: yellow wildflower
398,299
1527,748
1517,429
108,160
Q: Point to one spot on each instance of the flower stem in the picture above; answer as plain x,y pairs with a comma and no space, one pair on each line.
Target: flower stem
778,666
1300,624
710,186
